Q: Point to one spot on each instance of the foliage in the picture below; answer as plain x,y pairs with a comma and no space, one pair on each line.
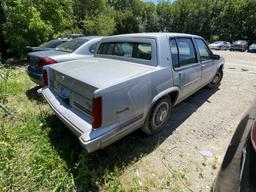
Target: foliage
31,22
94,17
99,25
128,15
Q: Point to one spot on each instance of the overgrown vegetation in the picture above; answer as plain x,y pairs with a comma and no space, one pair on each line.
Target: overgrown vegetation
31,22
38,153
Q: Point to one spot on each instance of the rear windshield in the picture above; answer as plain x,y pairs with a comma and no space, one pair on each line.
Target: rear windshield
72,45
127,49
51,44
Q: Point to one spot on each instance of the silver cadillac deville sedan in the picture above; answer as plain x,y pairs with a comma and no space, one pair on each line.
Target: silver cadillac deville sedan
132,82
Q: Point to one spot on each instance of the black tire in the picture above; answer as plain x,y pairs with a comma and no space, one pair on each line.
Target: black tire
216,80
158,116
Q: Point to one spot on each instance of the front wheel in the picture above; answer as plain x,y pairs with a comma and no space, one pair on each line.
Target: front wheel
158,116
216,80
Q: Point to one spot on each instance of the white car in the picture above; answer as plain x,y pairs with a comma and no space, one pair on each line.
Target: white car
220,45
132,82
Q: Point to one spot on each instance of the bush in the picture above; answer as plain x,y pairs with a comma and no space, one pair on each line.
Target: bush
32,22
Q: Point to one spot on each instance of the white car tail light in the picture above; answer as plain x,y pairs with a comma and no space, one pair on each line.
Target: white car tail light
46,61
97,112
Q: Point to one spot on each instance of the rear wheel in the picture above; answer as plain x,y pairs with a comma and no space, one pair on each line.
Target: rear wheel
158,116
216,80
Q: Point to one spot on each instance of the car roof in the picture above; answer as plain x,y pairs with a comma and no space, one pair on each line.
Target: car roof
154,35
90,37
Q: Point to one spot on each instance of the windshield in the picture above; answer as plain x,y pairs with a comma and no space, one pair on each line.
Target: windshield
240,42
72,45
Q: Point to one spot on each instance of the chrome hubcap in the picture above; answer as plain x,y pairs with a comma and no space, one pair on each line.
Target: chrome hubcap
160,114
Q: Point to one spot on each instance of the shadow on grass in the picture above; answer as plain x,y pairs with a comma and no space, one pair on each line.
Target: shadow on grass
33,95
92,168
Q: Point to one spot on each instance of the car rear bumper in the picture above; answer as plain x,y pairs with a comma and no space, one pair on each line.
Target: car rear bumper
34,75
80,124
252,50
238,48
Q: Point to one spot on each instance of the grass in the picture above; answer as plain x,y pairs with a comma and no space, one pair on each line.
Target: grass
38,153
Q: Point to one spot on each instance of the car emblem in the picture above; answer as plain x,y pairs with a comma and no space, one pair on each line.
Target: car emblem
63,77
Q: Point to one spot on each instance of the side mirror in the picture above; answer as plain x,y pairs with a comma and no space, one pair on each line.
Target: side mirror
215,57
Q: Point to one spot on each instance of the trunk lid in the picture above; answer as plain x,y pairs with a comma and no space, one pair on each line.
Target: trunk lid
101,72
75,81
34,58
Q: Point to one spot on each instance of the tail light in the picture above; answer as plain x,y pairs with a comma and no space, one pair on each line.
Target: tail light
45,78
97,113
46,61
253,135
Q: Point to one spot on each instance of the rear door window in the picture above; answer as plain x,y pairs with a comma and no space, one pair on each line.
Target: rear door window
174,53
187,53
204,52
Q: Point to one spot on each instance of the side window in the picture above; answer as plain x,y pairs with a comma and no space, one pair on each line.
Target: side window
204,51
187,53
92,49
174,53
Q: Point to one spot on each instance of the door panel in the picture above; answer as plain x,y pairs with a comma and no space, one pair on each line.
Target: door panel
208,71
205,55
189,79
187,70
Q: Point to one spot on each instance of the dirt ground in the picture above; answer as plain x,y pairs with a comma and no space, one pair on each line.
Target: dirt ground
204,122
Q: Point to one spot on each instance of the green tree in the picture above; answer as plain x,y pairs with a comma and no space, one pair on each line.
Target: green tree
24,26
99,25
238,20
2,21
192,16
94,17
150,17
165,16
56,13
30,22
128,15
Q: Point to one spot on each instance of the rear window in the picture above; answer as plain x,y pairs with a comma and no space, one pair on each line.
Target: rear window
127,49
240,42
51,44
72,45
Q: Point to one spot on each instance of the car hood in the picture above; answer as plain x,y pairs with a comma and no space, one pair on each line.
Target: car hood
101,72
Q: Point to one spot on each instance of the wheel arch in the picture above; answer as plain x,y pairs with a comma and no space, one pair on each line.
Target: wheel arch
221,67
172,92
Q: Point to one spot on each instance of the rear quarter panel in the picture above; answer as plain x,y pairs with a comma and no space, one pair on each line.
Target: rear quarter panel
134,97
